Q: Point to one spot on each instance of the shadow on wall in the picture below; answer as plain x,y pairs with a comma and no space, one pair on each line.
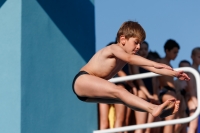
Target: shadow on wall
73,21
49,63
2,2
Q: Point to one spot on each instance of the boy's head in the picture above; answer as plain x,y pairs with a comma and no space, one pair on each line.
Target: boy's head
154,56
131,29
171,48
195,55
184,63
144,49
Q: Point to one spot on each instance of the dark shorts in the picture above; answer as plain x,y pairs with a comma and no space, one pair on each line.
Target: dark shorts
164,90
183,92
77,75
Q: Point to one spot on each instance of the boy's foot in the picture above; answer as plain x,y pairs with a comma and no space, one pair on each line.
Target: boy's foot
169,107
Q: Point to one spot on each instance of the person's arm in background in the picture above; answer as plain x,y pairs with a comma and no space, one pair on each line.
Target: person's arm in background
191,89
135,70
156,90
130,83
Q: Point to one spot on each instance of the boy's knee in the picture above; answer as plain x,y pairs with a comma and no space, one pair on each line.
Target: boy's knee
118,91
120,87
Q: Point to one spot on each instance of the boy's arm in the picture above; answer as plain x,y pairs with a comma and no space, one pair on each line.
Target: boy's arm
179,74
130,83
155,83
135,59
135,70
191,86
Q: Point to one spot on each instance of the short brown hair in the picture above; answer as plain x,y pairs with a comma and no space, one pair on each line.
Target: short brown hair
131,29
194,51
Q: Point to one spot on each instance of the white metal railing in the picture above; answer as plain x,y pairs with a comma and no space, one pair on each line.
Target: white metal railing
161,123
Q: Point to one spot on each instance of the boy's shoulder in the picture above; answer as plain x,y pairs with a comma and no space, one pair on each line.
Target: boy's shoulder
109,49
113,50
114,47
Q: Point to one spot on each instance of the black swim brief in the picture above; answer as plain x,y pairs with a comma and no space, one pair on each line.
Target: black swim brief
77,75
164,90
183,92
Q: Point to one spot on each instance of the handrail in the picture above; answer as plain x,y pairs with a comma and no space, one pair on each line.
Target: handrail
161,123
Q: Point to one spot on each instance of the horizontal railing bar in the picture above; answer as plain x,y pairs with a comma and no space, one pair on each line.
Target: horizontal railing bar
161,123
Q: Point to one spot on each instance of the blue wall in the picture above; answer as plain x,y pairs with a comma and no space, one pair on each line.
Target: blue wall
44,45
10,66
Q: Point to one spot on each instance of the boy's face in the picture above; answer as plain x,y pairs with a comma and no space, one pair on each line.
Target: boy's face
196,57
131,45
143,50
172,53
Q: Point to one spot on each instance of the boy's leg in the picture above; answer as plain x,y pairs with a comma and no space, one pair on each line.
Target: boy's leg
103,116
181,112
157,129
150,119
194,123
120,112
100,90
141,117
130,116
169,128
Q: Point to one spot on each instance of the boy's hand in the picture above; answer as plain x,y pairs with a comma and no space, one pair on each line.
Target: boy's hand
182,76
161,66
150,97
155,101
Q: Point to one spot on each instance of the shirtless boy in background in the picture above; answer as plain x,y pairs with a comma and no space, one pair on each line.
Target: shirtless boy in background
167,85
91,83
192,90
182,94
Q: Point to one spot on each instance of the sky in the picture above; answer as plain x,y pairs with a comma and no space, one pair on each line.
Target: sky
162,20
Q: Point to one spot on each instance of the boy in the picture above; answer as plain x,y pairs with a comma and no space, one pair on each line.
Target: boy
192,100
120,110
181,87
91,83
168,90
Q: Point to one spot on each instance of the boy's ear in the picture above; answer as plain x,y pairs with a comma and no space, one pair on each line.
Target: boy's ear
167,51
122,39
